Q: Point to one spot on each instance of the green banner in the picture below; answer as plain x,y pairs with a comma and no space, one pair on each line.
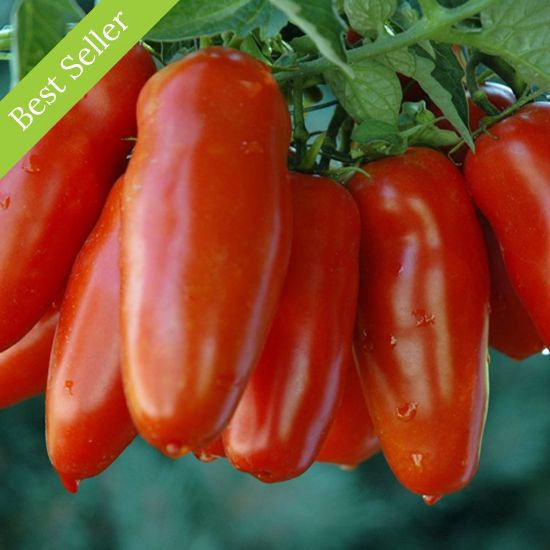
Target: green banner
70,70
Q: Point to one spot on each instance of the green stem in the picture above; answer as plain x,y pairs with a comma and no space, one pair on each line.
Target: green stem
506,72
300,131
329,145
479,97
424,29
5,39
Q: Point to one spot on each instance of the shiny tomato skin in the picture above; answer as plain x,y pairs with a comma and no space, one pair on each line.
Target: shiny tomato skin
288,406
206,234
423,313
351,438
24,366
509,179
511,329
52,198
87,421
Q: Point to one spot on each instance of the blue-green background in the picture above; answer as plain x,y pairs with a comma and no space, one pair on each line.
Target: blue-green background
145,501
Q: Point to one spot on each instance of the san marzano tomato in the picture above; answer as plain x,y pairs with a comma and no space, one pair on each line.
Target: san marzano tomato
206,234
423,315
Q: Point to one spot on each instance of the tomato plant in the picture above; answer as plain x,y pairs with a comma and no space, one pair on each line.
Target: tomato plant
222,322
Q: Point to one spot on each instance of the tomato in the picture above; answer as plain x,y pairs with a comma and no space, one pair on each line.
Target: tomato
24,366
509,178
87,422
423,316
206,234
286,410
351,438
511,330
51,199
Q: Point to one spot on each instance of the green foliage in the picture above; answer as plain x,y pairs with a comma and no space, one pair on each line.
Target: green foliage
319,20
39,25
194,18
369,15
518,32
374,92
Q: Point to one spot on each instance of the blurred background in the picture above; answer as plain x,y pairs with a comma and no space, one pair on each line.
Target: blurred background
147,501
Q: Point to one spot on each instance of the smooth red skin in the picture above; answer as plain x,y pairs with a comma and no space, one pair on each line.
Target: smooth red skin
423,316
288,406
351,438
509,178
24,366
206,239
87,421
511,329
52,198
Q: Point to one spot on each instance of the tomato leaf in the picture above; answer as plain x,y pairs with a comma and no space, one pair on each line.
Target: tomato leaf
518,32
374,93
441,78
368,15
39,25
320,21
193,18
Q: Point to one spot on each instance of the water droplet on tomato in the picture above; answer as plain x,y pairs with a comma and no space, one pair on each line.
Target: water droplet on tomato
175,450
69,386
430,500
393,341
251,147
5,201
205,457
30,166
70,484
423,319
417,459
407,411
264,475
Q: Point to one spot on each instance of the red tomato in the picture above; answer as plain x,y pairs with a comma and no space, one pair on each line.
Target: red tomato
51,199
205,243
511,330
286,410
24,366
423,315
351,438
509,178
87,421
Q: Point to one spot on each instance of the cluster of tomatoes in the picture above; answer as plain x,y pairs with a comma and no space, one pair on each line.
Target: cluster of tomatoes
214,306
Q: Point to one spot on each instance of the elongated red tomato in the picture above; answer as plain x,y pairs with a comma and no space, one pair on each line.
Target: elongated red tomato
351,438
87,422
511,330
24,366
51,199
422,321
206,231
288,406
509,178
